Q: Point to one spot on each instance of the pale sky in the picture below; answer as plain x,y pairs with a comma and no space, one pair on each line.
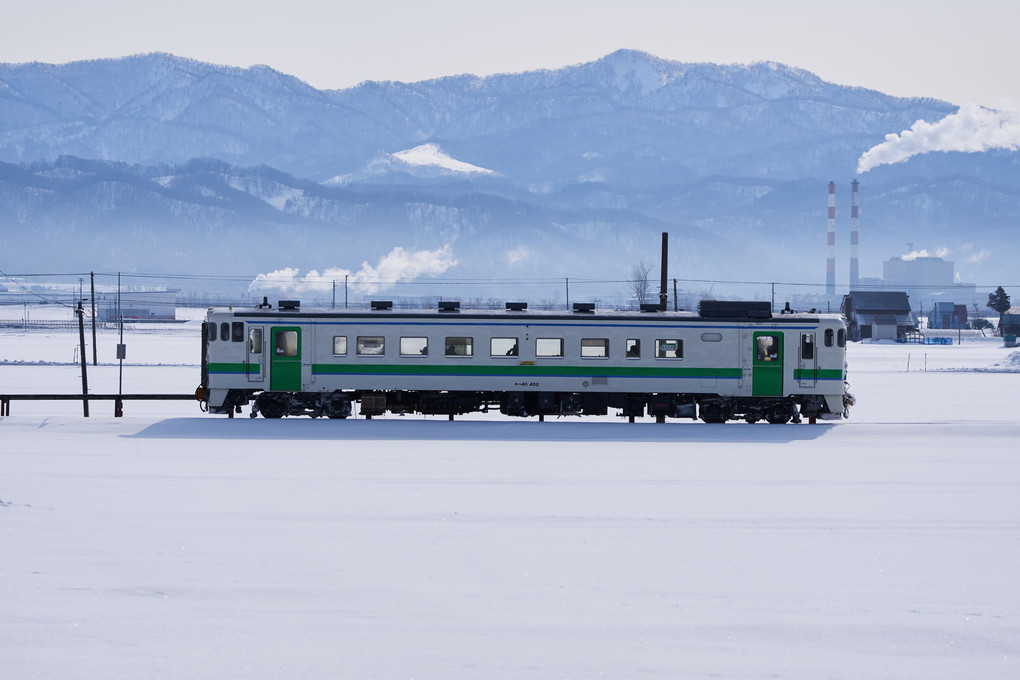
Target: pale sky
959,51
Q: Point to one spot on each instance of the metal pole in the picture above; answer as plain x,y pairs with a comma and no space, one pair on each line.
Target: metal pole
95,356
676,303
567,280
662,278
120,379
334,293
345,291
84,364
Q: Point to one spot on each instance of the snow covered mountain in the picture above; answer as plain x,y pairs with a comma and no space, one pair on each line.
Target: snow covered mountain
581,167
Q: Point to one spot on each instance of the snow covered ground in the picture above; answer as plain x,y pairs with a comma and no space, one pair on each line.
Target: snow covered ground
175,544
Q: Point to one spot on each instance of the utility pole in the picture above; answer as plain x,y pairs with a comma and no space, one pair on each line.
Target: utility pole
121,355
664,262
84,364
95,357
334,293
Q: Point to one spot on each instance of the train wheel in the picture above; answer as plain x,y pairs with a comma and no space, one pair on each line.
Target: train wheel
713,413
272,408
778,414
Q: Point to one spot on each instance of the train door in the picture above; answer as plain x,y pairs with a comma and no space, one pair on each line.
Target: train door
255,363
807,361
285,359
767,371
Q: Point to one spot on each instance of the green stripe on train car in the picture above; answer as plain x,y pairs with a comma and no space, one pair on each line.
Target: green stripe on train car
525,371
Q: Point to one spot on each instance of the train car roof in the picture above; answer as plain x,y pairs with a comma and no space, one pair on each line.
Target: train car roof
522,315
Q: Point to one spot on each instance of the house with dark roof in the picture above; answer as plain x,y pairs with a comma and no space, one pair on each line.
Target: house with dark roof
877,315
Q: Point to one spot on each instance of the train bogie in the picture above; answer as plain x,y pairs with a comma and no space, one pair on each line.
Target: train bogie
735,361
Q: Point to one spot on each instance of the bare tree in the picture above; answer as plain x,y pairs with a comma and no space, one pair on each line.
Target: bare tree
639,284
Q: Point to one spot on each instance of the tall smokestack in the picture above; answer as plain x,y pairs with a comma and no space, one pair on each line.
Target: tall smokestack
830,263
855,278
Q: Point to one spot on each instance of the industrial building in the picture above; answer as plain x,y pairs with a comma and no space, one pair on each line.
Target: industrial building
151,305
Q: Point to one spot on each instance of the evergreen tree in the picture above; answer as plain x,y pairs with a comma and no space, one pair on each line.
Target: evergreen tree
999,301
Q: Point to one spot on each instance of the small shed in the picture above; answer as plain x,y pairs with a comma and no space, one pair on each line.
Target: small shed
1010,321
878,315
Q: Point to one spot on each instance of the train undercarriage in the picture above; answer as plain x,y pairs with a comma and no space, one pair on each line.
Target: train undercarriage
711,408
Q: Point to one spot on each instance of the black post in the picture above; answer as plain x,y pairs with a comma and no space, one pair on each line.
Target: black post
95,356
84,364
662,279
676,304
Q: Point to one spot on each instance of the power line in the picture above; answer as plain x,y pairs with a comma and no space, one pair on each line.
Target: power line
325,279
32,292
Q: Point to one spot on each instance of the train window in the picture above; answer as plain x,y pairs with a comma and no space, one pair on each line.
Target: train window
633,348
828,337
224,331
211,331
255,341
286,343
549,347
595,347
371,345
841,338
669,349
807,346
767,348
414,347
237,331
339,345
459,347
711,337
503,347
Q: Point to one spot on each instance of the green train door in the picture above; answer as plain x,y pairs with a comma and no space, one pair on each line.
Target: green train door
767,371
285,359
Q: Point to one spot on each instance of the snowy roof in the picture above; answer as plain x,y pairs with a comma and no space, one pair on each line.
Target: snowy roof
880,301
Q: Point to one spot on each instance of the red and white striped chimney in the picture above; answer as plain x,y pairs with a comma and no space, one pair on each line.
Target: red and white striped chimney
830,263
855,278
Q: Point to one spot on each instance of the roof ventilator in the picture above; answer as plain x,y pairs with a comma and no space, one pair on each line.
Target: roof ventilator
735,309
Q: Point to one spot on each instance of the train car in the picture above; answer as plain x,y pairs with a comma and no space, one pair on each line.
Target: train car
730,360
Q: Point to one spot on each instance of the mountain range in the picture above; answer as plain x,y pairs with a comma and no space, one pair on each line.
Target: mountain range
159,163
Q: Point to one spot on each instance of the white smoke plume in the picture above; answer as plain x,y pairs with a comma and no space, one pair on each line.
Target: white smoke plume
972,128
396,266
914,254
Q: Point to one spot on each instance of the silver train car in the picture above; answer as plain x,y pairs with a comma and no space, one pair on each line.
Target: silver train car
729,361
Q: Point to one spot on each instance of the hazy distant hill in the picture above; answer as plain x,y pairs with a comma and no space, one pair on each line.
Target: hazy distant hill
586,165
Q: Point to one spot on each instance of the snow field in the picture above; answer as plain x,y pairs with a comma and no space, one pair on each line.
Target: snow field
171,543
